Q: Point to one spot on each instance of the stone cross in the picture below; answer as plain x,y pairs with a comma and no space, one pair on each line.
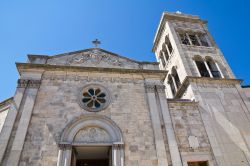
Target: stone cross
96,43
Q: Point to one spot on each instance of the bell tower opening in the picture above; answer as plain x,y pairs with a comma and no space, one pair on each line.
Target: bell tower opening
92,156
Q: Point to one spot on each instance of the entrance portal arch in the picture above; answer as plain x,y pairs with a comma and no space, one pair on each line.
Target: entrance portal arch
91,131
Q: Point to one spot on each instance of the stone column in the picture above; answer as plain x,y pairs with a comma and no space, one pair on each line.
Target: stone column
156,124
217,66
27,108
64,155
173,146
165,57
175,85
189,39
10,120
196,67
211,75
198,39
60,155
68,153
117,154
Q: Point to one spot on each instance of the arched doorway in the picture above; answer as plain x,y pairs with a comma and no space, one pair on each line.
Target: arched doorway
91,140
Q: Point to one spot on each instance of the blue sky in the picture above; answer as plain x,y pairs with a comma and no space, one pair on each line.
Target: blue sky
125,27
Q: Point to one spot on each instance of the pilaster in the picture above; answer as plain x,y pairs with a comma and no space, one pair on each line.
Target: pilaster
29,97
159,141
10,120
173,146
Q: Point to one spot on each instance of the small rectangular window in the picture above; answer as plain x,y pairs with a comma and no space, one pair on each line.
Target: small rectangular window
198,163
184,39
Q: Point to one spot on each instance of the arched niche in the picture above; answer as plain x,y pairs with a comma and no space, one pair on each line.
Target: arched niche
91,130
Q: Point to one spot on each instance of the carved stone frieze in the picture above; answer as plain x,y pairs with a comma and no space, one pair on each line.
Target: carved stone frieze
92,135
22,83
95,57
91,79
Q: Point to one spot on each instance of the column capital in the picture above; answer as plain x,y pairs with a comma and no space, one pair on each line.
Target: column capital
160,88
65,146
118,145
22,83
150,88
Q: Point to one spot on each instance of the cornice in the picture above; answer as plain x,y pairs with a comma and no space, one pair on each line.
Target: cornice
33,56
6,102
182,102
205,82
47,67
23,83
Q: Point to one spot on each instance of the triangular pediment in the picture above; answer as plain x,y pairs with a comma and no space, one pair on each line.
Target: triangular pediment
94,57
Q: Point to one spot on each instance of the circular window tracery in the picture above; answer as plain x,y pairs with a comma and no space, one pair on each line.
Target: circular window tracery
94,98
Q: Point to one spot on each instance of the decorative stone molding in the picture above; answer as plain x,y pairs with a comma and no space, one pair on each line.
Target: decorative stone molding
86,79
118,144
48,67
160,88
90,120
22,83
150,88
65,146
92,135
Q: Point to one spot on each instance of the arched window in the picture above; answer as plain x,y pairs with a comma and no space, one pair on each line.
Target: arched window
201,66
162,59
171,84
169,45
176,77
213,68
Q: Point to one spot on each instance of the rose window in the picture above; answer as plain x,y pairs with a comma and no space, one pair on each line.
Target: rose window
94,98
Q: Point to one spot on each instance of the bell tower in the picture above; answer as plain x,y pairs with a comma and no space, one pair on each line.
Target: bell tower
184,47
198,71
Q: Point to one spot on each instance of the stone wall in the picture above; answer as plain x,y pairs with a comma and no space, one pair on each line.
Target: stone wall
225,111
190,131
247,91
57,105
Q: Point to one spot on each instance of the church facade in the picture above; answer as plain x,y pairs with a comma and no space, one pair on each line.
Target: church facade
96,108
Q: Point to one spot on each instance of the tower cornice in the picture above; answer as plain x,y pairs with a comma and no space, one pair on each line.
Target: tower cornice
167,16
206,82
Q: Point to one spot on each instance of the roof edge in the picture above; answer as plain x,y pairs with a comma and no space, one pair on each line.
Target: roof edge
6,101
